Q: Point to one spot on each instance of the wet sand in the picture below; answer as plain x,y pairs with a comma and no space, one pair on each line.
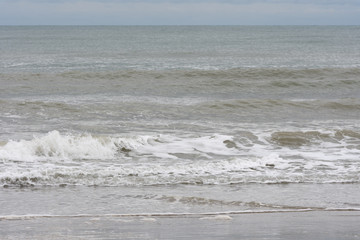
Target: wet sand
285,225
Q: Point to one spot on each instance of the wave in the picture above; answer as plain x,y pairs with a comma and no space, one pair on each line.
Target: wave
246,157
342,76
177,106
223,215
340,104
233,73
56,145
284,138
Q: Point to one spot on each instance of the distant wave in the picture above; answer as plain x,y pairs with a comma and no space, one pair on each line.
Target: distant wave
229,73
232,73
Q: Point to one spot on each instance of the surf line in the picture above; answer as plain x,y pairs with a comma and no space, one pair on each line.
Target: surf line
174,215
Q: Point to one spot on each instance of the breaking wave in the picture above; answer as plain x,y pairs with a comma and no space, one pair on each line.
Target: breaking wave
249,157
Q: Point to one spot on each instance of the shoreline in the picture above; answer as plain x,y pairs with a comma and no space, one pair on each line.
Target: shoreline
284,225
176,214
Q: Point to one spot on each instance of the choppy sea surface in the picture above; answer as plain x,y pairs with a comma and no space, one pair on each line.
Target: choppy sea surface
178,119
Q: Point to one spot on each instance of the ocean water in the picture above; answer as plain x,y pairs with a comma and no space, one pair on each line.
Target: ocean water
178,120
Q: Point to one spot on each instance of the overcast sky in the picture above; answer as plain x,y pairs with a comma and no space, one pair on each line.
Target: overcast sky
176,12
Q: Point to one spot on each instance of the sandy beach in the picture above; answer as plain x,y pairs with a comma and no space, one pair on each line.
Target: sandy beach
291,225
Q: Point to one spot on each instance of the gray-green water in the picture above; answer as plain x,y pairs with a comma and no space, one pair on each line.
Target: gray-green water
178,119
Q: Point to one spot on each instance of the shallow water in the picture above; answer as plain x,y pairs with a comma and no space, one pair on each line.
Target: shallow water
256,211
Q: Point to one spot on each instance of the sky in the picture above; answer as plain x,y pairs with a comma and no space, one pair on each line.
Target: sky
176,12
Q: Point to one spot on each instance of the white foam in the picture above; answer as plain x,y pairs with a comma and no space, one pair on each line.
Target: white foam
199,145
60,146
54,145
151,217
148,219
84,159
218,217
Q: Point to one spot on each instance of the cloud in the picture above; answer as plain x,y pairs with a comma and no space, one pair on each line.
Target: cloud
187,12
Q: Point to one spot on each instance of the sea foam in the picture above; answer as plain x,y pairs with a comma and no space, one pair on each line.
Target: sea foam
69,147
55,145
84,159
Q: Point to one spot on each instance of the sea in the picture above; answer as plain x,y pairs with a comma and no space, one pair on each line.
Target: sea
154,121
